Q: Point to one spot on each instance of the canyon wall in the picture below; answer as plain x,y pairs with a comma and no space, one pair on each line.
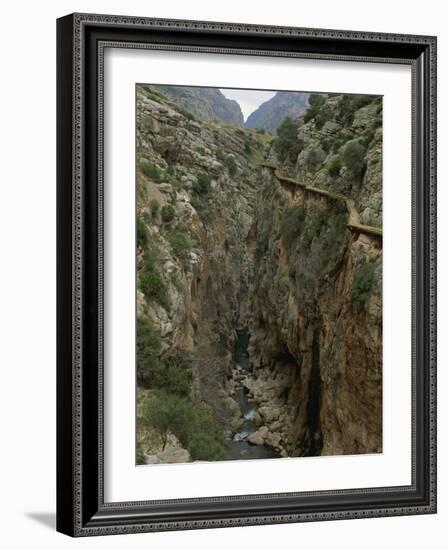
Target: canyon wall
316,343
196,183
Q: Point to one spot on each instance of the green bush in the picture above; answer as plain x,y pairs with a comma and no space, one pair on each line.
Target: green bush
231,165
195,427
142,234
167,212
151,93
154,207
185,113
334,165
181,245
220,155
148,351
349,104
292,224
153,287
204,439
354,158
178,373
150,170
322,117
316,102
204,210
173,374
202,185
140,455
363,282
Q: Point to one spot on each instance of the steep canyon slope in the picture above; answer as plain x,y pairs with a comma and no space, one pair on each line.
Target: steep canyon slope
282,239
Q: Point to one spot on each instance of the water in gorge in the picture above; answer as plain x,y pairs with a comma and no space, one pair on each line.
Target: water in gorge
239,448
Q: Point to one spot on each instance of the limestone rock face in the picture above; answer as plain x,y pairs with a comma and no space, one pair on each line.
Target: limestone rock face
316,324
206,288
205,103
272,113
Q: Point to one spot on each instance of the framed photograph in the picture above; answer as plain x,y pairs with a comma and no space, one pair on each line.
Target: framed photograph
246,274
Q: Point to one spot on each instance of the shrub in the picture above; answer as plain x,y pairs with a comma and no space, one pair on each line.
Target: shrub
334,165
177,374
153,287
181,245
167,212
185,113
292,224
354,157
363,282
148,351
195,427
202,185
349,104
173,374
204,438
316,102
204,211
231,165
154,207
220,155
142,234
150,170
322,117
139,455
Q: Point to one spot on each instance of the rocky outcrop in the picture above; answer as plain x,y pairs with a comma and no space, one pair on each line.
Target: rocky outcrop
208,104
272,113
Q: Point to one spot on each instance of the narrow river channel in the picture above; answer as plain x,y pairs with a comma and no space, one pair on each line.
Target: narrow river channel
238,448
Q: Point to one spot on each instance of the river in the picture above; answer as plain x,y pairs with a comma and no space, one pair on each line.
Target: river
238,448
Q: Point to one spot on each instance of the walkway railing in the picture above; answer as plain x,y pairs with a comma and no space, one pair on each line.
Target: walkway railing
353,223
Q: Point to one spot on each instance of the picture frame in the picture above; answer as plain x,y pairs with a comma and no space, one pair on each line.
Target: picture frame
81,506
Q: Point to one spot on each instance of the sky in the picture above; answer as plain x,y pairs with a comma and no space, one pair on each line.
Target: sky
249,100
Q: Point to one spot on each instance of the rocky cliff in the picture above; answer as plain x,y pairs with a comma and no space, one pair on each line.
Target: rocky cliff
196,188
272,113
316,328
204,103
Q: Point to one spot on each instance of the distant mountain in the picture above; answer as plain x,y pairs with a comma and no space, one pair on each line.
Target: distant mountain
205,103
272,113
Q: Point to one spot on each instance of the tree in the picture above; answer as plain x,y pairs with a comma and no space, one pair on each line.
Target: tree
167,413
286,143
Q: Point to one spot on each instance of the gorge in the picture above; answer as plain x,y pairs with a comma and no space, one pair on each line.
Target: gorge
259,313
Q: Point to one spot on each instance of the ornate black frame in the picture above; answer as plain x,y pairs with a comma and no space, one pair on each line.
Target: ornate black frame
81,39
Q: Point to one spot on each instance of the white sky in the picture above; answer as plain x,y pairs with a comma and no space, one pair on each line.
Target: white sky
249,100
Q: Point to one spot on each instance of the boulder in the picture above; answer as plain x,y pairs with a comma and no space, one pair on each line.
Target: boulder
273,439
258,437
